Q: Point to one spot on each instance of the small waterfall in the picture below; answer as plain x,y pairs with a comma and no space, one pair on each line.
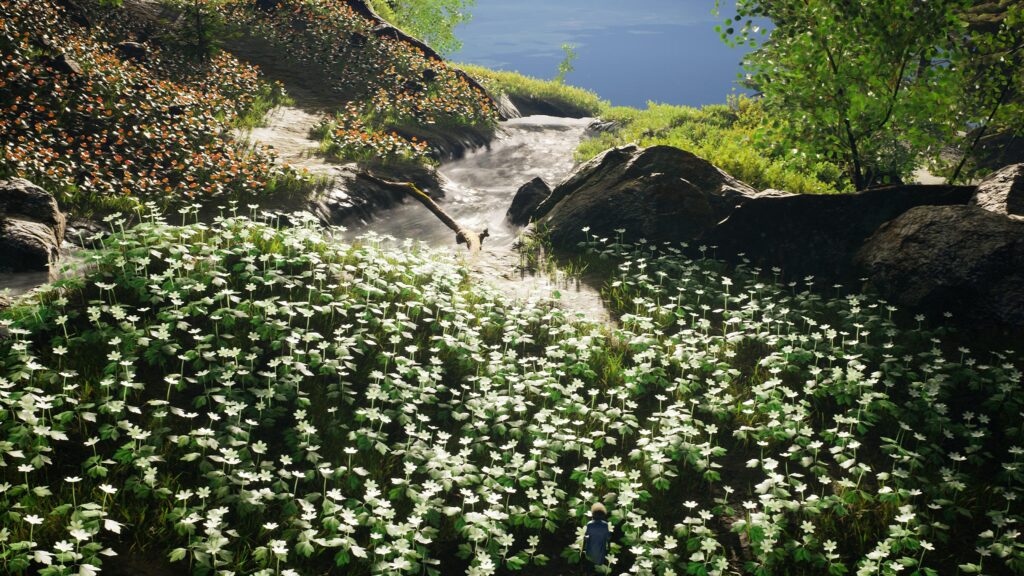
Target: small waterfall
479,187
478,192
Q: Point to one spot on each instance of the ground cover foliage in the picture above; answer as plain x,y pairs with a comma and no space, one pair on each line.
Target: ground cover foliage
240,398
730,136
390,86
120,132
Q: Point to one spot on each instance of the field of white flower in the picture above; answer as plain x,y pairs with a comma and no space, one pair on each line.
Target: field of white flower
237,398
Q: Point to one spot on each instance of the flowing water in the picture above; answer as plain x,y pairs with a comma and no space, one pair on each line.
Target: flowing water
19,283
479,188
478,191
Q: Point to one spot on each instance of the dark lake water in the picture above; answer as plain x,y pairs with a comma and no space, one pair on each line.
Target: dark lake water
630,51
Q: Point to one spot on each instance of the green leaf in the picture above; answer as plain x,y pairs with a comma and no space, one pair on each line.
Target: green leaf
177,554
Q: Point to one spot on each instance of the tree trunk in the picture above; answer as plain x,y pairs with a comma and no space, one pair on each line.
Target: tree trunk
473,240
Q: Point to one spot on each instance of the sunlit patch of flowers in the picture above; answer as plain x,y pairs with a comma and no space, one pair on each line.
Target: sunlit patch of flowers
122,133
391,83
256,400
347,136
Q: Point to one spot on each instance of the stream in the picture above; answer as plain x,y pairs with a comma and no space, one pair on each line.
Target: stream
479,189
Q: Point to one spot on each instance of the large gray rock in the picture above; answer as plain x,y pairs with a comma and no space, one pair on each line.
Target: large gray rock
535,105
526,201
661,193
506,109
818,235
960,259
1003,192
31,227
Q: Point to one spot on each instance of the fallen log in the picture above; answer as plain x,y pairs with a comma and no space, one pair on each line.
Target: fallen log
473,240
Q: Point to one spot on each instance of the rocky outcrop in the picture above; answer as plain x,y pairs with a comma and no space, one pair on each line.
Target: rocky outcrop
960,259
31,227
1003,192
132,51
64,64
506,109
526,201
352,196
818,235
599,127
530,105
661,193
448,143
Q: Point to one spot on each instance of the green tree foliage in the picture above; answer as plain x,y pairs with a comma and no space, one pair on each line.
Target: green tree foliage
992,100
873,86
567,64
432,21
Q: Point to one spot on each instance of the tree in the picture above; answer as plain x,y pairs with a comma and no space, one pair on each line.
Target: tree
992,101
567,64
873,86
432,21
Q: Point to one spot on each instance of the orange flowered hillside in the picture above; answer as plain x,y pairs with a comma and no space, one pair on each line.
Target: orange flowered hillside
103,131
389,84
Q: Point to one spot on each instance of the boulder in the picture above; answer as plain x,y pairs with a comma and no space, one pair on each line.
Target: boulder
1003,192
818,235
526,201
959,259
534,105
506,109
64,64
132,51
660,193
31,227
85,233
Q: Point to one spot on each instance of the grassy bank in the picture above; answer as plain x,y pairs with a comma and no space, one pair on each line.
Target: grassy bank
726,135
518,85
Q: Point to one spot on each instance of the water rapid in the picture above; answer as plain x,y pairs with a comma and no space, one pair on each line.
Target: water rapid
478,192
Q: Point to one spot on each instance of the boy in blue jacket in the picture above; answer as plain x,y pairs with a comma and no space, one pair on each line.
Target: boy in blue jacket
597,539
